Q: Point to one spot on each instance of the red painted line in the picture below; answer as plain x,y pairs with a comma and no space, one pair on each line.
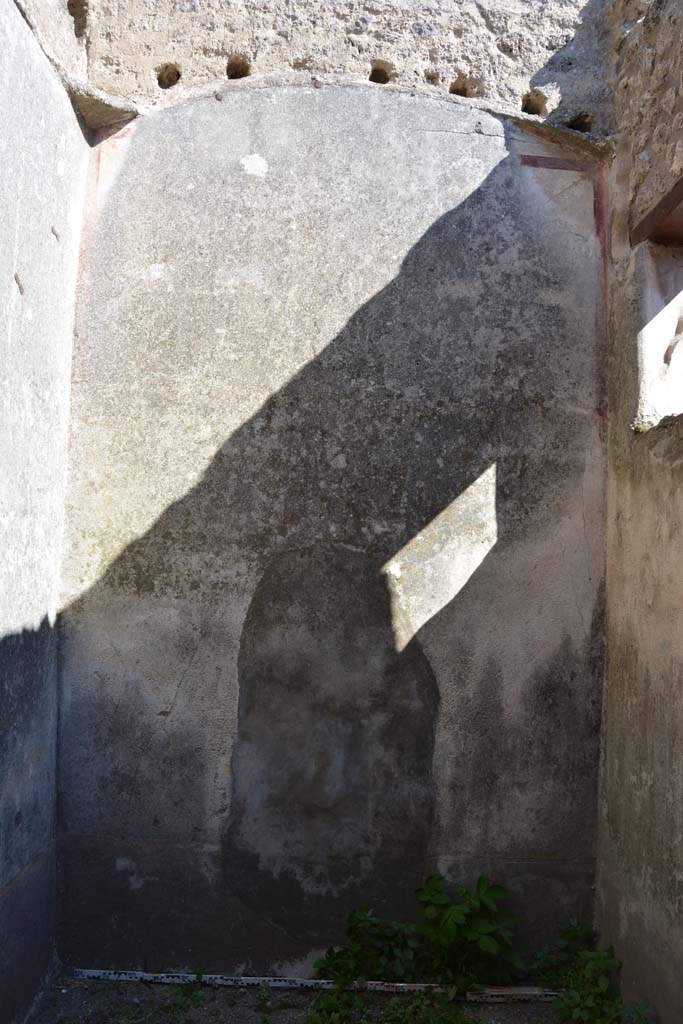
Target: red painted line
552,163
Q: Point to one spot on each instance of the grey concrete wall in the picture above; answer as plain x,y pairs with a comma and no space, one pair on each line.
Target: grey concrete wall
335,557
641,807
42,165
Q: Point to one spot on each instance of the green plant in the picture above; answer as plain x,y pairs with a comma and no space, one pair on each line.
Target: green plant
583,971
463,941
376,950
186,997
338,1006
424,1008
588,995
469,941
342,1006
556,960
263,997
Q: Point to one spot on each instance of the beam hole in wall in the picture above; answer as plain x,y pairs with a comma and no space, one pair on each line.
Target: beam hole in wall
381,72
535,103
238,66
78,9
463,86
432,77
168,75
581,122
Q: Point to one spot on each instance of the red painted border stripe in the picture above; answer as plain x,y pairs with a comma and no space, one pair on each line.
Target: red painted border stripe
552,163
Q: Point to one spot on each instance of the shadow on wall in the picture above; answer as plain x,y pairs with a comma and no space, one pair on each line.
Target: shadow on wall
27,830
470,362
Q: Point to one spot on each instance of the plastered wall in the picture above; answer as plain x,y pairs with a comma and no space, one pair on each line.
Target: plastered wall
42,175
332,590
639,898
639,862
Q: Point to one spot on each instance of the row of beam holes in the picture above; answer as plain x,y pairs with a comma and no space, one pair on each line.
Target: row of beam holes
169,75
533,103
381,73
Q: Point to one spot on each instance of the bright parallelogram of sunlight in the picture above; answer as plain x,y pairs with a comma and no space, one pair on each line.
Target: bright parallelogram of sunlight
433,567
660,348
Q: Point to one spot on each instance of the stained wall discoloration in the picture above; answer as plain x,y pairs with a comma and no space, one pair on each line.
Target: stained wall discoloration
319,673
42,171
641,826
282,380
638,880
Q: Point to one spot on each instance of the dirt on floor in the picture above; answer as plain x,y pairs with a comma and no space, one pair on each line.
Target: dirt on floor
105,1002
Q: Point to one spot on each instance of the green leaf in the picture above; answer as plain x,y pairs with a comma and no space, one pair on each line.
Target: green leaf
480,924
488,944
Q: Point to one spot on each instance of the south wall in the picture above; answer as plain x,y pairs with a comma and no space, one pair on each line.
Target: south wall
42,174
333,585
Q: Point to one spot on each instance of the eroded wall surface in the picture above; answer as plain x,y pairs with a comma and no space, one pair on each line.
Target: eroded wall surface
333,578
42,171
648,98
492,49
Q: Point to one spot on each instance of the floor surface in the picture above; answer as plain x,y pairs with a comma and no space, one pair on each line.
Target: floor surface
98,1002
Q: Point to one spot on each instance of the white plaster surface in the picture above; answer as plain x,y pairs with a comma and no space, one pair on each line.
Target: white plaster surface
42,175
283,383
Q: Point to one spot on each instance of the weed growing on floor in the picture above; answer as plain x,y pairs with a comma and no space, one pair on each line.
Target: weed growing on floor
584,972
463,941
188,996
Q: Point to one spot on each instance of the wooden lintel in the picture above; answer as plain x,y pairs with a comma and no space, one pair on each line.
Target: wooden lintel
664,223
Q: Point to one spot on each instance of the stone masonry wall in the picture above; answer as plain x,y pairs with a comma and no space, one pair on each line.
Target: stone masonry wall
495,50
648,98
